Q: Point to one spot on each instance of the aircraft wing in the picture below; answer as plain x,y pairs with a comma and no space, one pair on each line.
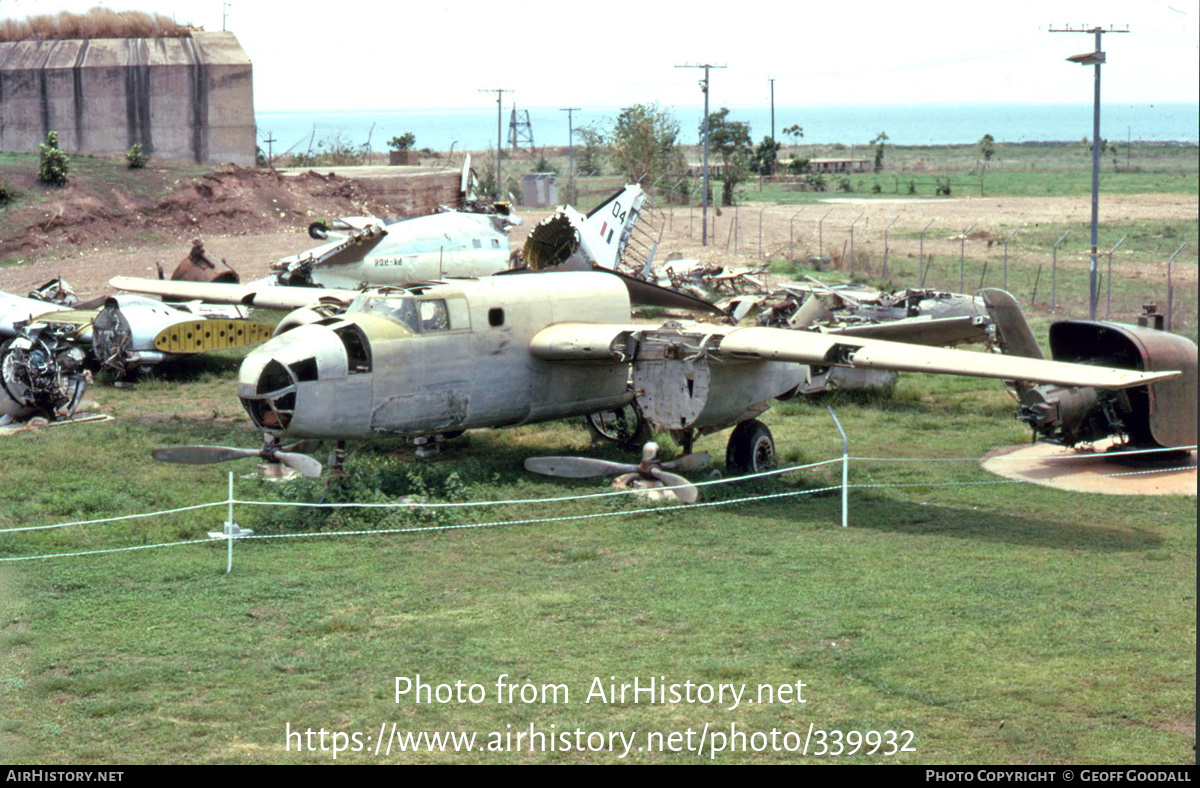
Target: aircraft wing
16,309
254,294
584,342
830,350
936,332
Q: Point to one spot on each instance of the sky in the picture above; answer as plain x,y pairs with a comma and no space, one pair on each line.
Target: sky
363,55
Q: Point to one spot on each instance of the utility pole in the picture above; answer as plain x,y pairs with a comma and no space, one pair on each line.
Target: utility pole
1095,58
571,148
772,81
704,203
499,125
270,140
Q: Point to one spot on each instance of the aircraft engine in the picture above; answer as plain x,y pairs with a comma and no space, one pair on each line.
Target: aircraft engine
1158,416
41,373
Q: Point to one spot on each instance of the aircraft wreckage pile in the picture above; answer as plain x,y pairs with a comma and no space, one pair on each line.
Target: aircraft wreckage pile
421,355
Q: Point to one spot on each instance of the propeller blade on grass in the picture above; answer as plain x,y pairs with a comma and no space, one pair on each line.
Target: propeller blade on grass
688,462
205,455
306,465
684,490
575,467
201,455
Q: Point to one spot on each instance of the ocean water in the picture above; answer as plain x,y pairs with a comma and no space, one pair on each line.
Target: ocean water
475,129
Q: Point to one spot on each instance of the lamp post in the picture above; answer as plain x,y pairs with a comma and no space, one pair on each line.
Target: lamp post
1095,58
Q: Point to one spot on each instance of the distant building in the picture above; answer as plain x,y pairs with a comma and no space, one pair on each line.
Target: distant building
188,98
840,165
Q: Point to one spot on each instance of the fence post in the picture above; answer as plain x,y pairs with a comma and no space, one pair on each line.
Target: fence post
792,235
962,259
921,256
1054,274
1108,297
852,242
885,248
845,469
1171,287
1006,240
231,530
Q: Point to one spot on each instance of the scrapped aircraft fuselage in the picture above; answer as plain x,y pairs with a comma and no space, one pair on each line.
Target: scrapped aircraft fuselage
413,250
432,360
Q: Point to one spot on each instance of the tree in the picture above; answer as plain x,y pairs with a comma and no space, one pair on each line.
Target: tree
765,156
987,147
591,156
403,142
645,143
52,162
796,132
880,138
731,140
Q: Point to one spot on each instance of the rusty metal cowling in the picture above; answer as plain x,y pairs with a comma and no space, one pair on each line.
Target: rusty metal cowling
1164,413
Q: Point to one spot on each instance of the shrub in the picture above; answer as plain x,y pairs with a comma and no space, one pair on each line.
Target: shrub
7,193
52,162
799,166
136,158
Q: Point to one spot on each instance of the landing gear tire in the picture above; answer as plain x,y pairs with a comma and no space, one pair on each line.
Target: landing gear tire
751,448
626,427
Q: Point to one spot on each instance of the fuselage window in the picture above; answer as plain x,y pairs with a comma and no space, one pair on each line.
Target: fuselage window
495,317
434,315
476,243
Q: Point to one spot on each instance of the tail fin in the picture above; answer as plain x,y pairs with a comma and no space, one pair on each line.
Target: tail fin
604,233
1012,329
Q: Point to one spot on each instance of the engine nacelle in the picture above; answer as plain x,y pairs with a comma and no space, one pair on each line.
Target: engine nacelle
1162,415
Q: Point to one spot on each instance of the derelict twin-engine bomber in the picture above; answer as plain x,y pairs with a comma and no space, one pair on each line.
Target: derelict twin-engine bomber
431,361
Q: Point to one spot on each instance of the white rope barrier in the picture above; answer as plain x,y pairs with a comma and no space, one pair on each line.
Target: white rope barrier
231,501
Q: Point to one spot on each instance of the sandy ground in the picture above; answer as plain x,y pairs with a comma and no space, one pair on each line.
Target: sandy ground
1066,469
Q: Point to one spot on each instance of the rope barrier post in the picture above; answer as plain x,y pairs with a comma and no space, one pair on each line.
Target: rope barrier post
231,530
845,469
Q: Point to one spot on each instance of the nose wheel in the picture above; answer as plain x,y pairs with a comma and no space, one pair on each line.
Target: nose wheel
751,448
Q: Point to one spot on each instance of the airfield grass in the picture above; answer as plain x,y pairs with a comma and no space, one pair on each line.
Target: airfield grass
1000,623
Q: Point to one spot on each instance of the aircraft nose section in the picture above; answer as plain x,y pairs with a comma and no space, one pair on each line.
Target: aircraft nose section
279,384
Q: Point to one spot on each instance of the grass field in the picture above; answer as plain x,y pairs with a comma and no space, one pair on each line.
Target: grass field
998,623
